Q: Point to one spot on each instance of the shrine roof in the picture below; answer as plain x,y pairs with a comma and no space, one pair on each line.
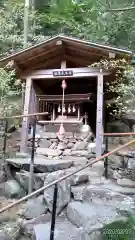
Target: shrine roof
49,53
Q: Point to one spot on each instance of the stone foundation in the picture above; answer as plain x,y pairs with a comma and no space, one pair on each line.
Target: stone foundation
50,144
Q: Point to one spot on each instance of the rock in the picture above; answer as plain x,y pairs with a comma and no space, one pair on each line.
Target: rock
39,129
61,146
2,176
67,152
53,145
91,147
33,208
81,153
87,215
44,143
125,182
99,168
13,189
10,231
37,137
48,135
76,160
22,155
104,196
115,161
63,230
131,163
48,152
128,173
4,236
66,141
70,145
81,136
89,137
124,153
131,154
54,140
61,137
116,188
27,227
116,175
95,235
42,232
41,176
121,228
78,192
80,145
118,126
72,140
63,191
40,164
69,135
79,178
128,118
23,179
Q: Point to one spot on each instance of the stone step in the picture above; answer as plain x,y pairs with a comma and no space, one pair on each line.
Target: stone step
76,160
90,216
40,164
113,186
63,230
103,196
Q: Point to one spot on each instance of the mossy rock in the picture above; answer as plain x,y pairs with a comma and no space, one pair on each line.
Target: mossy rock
123,229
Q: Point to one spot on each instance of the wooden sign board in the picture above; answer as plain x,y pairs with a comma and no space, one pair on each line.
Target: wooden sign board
62,73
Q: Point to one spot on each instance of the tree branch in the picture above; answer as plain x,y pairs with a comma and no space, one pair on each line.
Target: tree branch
108,3
120,9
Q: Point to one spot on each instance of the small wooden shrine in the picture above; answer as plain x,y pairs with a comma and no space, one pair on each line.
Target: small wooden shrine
44,66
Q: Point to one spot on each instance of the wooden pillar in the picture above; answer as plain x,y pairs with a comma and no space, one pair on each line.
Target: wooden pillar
23,95
33,100
53,115
25,121
99,117
33,103
63,64
78,112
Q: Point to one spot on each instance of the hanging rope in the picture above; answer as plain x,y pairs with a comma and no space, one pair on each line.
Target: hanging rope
62,130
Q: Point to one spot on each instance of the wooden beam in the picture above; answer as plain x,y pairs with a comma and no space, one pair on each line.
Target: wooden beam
87,52
41,59
25,122
68,97
39,55
99,118
42,64
77,72
77,60
71,121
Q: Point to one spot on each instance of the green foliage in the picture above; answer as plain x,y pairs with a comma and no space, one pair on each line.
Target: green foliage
8,90
123,85
90,19
120,229
86,19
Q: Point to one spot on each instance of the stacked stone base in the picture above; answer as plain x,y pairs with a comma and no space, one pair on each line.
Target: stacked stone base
86,201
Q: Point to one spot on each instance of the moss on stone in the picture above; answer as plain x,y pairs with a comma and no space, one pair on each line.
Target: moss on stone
123,229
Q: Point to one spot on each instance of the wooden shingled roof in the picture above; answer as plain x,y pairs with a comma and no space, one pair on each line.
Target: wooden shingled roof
50,53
